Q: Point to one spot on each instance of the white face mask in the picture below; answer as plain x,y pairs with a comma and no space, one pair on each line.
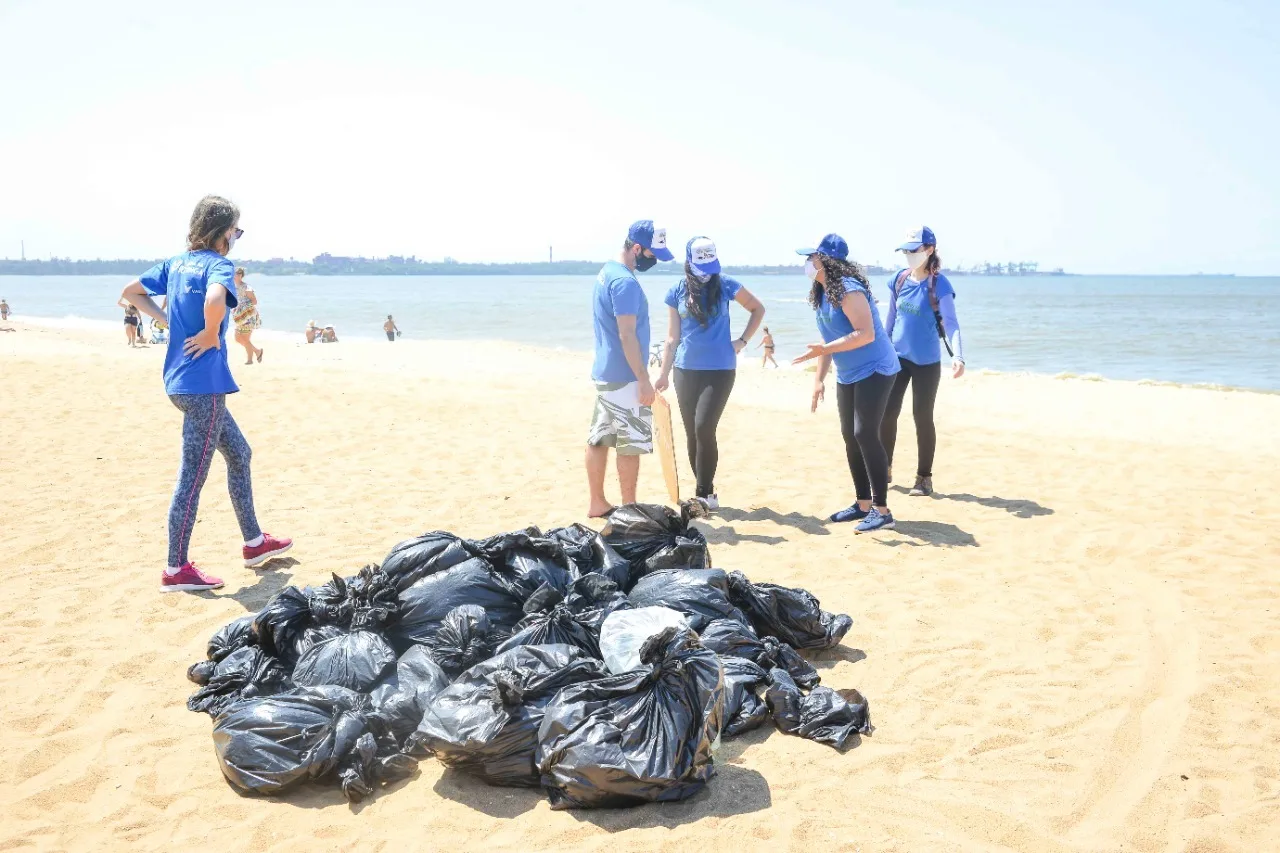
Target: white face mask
811,270
915,260
231,242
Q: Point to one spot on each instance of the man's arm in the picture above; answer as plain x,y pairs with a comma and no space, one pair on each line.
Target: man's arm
635,358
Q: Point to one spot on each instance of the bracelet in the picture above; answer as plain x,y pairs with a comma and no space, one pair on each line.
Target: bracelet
744,340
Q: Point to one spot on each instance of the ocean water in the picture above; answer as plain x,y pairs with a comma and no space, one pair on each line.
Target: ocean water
1201,329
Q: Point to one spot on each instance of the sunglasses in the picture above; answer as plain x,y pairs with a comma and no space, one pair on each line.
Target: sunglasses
239,233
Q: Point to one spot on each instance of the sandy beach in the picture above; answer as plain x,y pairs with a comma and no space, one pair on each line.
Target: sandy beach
1072,647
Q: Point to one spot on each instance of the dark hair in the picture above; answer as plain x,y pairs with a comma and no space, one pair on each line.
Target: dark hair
701,295
213,216
835,271
627,244
934,263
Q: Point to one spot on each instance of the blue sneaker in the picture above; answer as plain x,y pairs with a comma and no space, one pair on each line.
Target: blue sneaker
850,514
875,521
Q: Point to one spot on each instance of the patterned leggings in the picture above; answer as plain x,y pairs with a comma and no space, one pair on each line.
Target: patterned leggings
207,425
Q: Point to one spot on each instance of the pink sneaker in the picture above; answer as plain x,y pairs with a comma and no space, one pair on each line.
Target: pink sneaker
270,547
188,579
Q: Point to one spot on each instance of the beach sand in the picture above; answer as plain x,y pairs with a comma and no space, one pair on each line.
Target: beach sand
1073,647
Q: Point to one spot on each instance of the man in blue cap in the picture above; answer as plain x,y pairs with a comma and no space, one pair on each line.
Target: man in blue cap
623,418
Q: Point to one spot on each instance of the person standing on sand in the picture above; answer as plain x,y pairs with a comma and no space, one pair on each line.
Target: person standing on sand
246,317
623,416
390,328
200,286
922,312
4,310
767,343
132,323
705,358
865,366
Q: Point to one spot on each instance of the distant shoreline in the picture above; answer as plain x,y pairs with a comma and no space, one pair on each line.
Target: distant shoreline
332,266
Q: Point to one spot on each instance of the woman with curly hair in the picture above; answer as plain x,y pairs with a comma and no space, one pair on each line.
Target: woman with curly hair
704,355
200,288
865,361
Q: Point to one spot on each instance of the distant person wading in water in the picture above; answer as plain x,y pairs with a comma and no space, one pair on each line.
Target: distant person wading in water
865,366
922,309
623,417
200,286
390,328
705,356
4,310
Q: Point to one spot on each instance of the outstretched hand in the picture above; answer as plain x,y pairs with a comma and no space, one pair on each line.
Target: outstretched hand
814,351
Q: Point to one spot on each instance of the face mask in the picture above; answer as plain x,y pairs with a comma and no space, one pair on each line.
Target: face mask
811,270
231,242
645,262
915,260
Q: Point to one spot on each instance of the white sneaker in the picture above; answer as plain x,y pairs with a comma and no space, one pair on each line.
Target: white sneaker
711,502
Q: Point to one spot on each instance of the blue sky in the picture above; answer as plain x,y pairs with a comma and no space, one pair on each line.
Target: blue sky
1101,137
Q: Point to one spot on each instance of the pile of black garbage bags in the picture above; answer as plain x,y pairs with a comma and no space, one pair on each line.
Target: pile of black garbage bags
604,667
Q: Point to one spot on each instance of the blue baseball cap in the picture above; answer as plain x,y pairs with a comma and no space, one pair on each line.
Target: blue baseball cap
832,245
922,236
700,253
653,239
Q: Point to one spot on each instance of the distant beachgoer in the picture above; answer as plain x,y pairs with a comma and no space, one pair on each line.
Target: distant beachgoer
865,366
200,286
623,417
767,343
390,328
246,316
922,313
312,331
132,323
4,310
329,335
704,356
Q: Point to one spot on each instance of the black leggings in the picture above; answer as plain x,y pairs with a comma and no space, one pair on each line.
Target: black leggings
924,379
861,407
702,395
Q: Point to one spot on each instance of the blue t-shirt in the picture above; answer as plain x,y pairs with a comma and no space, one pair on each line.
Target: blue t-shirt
706,347
617,293
184,280
915,331
856,364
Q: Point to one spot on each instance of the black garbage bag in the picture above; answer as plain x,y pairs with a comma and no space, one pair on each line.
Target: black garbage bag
402,697
465,638
590,554
486,723
700,595
731,638
245,673
825,715
278,626
424,605
743,709
637,737
792,615
314,635
652,538
355,661
367,601
551,621
529,559
414,559
273,744
234,635
593,597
